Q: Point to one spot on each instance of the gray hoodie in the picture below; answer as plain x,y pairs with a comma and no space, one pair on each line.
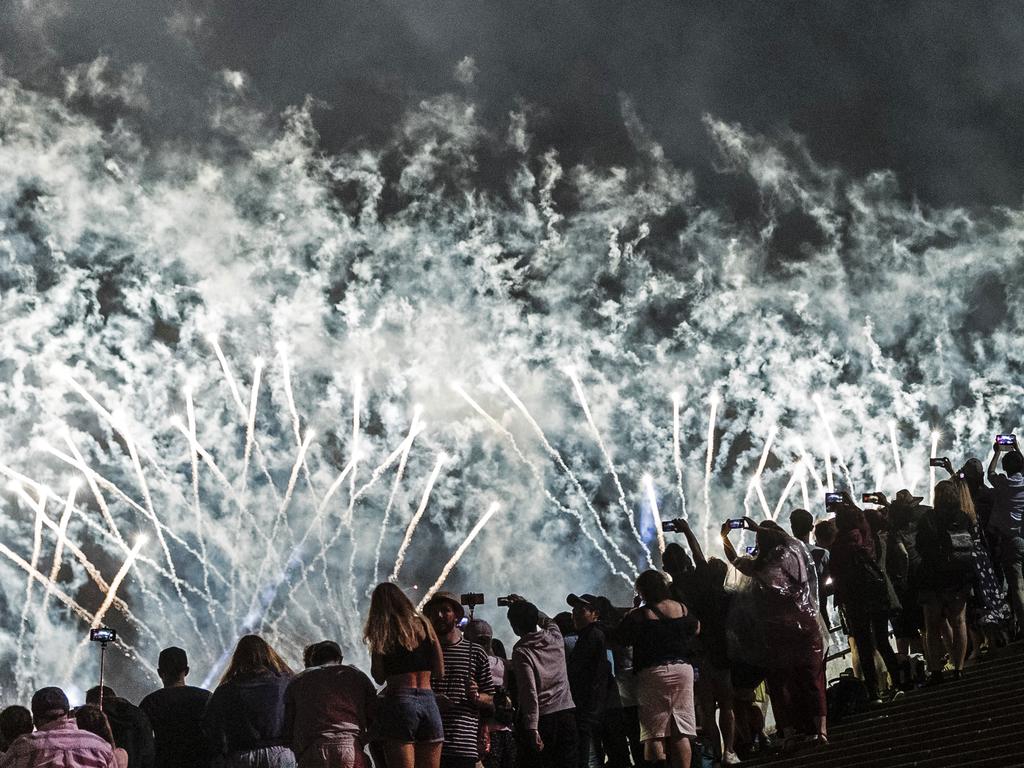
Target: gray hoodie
538,663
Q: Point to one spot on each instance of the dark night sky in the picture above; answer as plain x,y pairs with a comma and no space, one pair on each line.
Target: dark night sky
930,89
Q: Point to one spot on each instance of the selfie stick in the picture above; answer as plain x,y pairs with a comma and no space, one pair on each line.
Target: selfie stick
103,658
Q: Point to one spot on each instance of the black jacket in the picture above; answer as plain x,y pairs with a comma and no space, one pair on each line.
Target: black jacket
590,673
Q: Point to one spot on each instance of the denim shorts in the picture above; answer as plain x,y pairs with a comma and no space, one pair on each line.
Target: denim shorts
408,715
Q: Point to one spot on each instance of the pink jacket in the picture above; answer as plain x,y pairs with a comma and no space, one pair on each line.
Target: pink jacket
59,744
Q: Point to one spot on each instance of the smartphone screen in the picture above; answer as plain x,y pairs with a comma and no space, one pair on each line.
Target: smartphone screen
1007,440
831,499
735,523
936,462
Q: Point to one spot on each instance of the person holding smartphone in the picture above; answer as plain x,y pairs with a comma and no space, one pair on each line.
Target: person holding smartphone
1005,521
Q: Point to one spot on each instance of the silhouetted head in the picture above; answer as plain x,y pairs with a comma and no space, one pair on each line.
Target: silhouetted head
523,617
652,586
92,719
675,560
718,570
172,665
49,704
253,654
1013,463
801,522
325,652
825,533
15,721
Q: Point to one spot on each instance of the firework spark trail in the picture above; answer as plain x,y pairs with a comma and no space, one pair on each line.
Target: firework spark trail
100,500
62,534
834,448
193,455
91,473
250,424
116,489
442,459
229,489
286,375
755,481
279,518
539,478
627,512
677,457
158,527
652,502
237,397
357,394
896,455
495,506
407,446
931,470
113,532
708,468
26,608
565,468
798,476
811,469
75,607
296,559
115,583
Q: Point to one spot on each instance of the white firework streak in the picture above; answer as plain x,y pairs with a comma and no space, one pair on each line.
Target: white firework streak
459,553
442,459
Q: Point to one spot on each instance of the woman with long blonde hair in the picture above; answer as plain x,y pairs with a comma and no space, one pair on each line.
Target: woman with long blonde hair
404,654
946,545
244,719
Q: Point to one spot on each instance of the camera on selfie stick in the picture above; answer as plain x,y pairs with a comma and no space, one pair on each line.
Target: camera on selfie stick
102,635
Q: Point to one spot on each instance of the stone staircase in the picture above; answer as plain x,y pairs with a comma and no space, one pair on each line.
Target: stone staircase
975,721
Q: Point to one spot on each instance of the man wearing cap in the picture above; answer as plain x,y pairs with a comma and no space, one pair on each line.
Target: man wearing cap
589,677
175,713
57,740
327,710
466,687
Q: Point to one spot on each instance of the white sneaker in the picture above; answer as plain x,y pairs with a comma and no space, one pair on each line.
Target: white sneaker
730,758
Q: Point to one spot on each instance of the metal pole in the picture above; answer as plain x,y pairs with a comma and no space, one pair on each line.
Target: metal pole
103,657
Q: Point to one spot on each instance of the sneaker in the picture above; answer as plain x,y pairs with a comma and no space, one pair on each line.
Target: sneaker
875,702
730,758
935,678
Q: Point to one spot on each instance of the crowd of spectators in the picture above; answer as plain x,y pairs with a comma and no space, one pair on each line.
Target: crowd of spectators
690,665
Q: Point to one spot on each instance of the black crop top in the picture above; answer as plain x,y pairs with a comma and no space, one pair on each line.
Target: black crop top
401,660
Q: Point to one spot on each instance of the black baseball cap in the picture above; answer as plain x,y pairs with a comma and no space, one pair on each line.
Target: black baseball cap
583,601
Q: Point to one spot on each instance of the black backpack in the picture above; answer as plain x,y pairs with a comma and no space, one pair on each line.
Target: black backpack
846,695
959,547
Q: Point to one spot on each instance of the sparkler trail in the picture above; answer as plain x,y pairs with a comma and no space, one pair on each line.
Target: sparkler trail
708,468
458,554
442,459
563,466
677,457
626,511
538,476
652,501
